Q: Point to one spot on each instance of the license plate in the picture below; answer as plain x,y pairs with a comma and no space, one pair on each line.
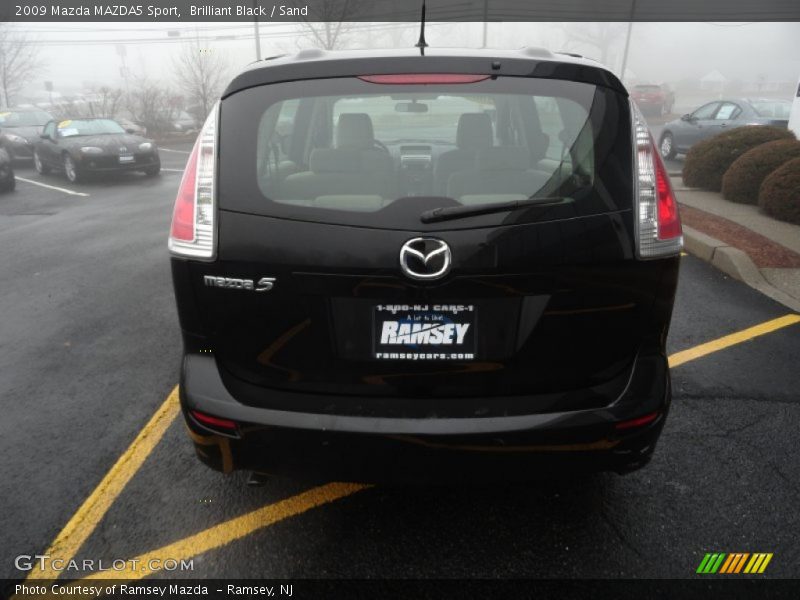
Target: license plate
126,158
424,332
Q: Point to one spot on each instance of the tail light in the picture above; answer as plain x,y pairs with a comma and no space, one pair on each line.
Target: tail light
658,223
639,422
212,422
192,233
423,78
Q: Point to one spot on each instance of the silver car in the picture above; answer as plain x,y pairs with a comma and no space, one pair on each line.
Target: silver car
718,116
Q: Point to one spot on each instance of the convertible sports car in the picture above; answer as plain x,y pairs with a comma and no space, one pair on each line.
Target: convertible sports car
82,146
19,130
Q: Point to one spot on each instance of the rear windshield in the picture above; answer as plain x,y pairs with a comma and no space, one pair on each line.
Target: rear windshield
350,151
647,88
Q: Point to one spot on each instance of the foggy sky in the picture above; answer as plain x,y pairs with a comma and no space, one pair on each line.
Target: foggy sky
659,52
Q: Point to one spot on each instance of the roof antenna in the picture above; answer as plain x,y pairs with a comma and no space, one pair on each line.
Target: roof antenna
421,43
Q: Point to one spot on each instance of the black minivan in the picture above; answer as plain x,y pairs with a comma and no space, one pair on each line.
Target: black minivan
417,267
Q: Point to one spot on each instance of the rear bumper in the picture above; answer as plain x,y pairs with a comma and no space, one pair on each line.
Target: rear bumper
370,448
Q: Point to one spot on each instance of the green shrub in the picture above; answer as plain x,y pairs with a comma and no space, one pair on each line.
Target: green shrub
707,161
779,196
743,179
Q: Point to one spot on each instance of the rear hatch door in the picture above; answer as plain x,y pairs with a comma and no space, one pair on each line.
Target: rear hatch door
322,185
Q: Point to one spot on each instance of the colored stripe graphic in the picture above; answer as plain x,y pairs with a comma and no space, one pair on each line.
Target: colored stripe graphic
758,563
754,563
734,563
737,562
740,564
711,563
727,564
703,563
765,563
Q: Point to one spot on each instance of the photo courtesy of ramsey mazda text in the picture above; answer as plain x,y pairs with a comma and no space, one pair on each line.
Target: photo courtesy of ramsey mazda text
425,266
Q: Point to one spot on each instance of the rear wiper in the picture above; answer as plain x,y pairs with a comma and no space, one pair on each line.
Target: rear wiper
448,213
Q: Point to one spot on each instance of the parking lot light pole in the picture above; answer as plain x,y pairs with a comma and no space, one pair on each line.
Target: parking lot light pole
627,42
625,52
485,23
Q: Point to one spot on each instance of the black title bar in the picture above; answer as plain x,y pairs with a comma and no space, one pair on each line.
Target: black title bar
697,588
398,10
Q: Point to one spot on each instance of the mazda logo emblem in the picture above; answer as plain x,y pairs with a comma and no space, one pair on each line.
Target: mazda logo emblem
425,258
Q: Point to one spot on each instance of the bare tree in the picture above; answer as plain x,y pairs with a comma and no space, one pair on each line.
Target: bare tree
100,101
596,39
69,107
201,72
19,61
151,104
331,22
105,101
402,35
326,35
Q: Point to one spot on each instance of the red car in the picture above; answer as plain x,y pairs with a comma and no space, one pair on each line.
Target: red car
653,99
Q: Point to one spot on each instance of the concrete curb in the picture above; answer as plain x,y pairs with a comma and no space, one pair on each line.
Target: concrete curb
735,263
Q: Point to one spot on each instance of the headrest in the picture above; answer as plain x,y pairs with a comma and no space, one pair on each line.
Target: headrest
354,130
349,160
503,158
474,131
330,160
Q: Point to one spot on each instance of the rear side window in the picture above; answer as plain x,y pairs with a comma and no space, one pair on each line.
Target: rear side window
772,109
706,111
354,152
728,110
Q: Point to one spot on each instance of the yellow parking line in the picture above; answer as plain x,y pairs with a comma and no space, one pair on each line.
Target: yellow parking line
94,508
233,529
684,356
240,527
69,541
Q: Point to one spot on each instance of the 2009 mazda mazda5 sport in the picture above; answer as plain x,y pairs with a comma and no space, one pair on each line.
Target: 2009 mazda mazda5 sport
396,266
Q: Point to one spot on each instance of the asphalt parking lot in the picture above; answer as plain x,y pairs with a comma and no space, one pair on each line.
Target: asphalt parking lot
89,353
